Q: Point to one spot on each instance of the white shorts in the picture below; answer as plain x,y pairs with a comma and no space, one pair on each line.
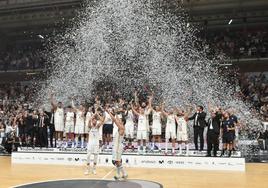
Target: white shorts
79,129
59,127
182,136
156,129
142,135
69,128
129,130
170,134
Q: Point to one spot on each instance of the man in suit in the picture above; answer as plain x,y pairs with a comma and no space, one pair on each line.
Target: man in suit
199,124
43,122
51,127
214,123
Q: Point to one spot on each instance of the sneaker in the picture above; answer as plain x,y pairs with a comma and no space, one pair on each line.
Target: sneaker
125,177
116,178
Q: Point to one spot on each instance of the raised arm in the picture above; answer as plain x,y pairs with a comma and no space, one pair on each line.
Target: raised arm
118,124
136,99
73,106
163,111
53,101
134,111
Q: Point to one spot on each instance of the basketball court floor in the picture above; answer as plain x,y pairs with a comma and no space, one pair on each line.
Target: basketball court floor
256,175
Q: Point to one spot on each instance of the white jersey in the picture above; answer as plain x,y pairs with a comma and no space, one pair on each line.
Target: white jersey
93,140
80,121
59,119
129,117
182,134
108,119
171,127
69,118
156,126
117,147
129,126
142,124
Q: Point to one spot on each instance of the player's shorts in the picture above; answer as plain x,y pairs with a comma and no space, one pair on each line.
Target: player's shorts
170,134
156,129
108,129
79,129
182,136
142,135
86,129
69,128
129,130
228,138
59,127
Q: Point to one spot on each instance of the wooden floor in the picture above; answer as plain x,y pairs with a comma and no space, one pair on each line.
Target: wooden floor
256,175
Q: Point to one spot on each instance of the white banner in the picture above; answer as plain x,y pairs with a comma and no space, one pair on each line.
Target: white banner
142,161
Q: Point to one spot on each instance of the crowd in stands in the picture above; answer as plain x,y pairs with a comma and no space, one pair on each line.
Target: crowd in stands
238,44
21,59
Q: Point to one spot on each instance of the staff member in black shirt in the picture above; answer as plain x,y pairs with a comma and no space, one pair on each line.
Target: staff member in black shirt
43,122
227,133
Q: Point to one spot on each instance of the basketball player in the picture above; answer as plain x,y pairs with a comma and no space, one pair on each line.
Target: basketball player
94,124
182,133
156,127
170,129
58,119
79,129
69,126
227,134
118,146
129,133
142,131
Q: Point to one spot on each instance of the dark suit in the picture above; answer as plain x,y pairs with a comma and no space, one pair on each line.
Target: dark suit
199,125
43,122
51,127
213,132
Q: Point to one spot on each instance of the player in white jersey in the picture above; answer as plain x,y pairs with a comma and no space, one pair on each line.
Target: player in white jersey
79,129
156,127
129,133
182,133
170,130
94,124
142,130
69,126
118,146
88,117
58,119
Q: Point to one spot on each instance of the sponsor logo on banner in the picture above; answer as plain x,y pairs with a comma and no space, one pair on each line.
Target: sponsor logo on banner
161,161
60,159
69,159
127,160
170,162
76,159
148,162
106,160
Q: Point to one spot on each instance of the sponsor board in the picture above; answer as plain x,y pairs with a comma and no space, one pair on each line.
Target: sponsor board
199,163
